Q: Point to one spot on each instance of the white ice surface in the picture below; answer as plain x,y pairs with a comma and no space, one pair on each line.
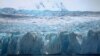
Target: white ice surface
64,23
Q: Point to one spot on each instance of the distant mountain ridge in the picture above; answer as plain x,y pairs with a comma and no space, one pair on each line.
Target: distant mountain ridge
11,12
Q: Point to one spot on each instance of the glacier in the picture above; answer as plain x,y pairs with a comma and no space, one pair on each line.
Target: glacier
50,35
49,29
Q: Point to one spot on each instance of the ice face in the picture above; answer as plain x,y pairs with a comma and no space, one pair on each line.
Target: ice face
53,43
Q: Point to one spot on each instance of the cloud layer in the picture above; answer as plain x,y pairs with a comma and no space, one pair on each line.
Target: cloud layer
74,5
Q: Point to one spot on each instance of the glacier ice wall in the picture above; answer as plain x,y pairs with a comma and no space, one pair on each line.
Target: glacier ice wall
53,43
50,35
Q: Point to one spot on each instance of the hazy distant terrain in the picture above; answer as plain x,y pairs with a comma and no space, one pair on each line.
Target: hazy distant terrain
23,13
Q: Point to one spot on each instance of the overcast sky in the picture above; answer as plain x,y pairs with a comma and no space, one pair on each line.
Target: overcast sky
73,5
